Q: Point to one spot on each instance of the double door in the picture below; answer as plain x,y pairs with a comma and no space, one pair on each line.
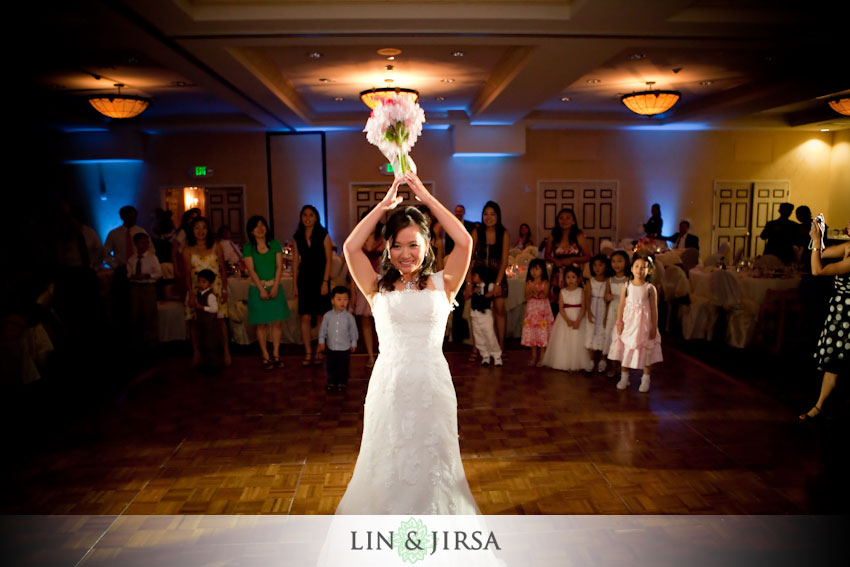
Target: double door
594,204
741,211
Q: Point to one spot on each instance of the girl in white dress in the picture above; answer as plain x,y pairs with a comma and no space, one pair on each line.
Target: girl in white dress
409,461
637,343
598,339
566,345
620,265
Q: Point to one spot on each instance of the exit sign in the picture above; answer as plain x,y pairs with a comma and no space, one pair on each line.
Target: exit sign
386,169
201,171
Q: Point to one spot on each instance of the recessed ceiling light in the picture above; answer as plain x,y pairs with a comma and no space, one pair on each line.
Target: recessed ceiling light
178,83
636,56
705,83
824,129
315,55
324,80
458,53
338,98
440,98
448,80
565,99
592,81
390,58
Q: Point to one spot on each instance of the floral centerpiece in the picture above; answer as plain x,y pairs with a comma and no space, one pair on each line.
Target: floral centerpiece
394,126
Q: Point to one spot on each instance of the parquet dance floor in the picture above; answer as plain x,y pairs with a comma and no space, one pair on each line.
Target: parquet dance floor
534,441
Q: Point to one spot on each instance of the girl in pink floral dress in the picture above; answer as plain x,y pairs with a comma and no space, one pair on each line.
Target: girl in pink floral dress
538,315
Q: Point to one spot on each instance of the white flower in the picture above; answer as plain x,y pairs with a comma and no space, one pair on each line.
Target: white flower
394,126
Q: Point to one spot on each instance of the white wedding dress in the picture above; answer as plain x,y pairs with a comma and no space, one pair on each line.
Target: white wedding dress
409,460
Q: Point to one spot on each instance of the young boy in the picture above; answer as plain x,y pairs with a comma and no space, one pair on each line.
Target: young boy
482,316
209,333
143,272
339,331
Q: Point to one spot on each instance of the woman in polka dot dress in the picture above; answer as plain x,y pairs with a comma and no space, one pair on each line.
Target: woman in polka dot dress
833,350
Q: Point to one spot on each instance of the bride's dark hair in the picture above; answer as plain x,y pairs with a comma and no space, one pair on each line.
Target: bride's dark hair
403,218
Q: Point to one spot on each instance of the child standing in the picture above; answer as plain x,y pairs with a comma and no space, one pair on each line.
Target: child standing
484,334
637,342
339,333
620,265
538,314
206,315
597,340
567,350
143,272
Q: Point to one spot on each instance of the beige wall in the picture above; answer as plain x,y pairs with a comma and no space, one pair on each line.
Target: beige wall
677,169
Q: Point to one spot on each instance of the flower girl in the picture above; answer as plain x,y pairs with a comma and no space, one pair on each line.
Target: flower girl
620,265
637,343
598,337
538,315
566,345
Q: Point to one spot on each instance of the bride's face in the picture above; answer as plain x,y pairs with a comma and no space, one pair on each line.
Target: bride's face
407,250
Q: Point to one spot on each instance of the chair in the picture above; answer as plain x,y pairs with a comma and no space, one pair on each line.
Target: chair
738,255
172,321
699,320
779,305
676,292
768,262
690,259
741,313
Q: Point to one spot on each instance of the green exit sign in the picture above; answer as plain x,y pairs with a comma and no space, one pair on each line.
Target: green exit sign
201,171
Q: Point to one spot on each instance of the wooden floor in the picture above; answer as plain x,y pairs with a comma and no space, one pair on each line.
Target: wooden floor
534,441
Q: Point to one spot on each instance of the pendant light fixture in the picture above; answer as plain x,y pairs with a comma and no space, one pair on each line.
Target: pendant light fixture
373,97
841,105
118,105
650,102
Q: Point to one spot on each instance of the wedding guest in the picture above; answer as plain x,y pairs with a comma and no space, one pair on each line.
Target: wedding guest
162,234
143,272
374,250
178,243
339,334
567,246
202,253
653,225
683,238
267,305
833,350
232,253
781,234
460,328
312,272
524,240
119,241
207,321
802,254
491,243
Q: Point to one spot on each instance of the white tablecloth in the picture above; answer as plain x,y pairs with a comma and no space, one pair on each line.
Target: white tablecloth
237,303
753,288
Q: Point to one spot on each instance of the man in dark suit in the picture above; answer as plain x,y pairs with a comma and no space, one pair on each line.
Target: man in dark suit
781,234
460,328
683,238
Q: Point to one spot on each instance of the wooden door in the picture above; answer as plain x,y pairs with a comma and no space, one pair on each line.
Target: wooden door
225,206
732,205
594,203
767,196
364,196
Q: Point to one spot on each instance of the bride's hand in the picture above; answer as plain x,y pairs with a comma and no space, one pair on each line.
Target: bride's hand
392,199
416,186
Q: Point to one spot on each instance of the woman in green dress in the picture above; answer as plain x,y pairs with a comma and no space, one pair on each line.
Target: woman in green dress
266,299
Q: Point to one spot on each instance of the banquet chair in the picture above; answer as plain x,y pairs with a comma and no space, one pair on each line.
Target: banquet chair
676,293
737,257
699,319
172,321
740,313
768,262
779,306
690,258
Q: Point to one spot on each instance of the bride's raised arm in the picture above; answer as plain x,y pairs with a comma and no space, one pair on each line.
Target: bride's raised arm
456,263
359,266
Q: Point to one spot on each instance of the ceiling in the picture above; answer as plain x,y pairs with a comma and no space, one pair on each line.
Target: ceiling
299,65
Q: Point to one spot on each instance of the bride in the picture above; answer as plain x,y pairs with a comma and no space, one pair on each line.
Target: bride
409,459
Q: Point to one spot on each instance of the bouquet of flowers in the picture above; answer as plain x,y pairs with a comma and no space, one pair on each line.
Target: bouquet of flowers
394,126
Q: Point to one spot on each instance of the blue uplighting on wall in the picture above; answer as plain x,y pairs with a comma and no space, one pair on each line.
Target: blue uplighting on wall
109,184
672,127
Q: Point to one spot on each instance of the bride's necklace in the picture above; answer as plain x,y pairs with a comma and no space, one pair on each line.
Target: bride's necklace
410,285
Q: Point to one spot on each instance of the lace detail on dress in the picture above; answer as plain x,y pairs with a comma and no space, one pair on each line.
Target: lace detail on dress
409,460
